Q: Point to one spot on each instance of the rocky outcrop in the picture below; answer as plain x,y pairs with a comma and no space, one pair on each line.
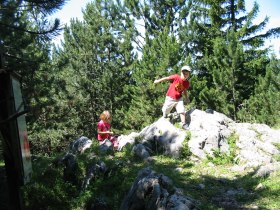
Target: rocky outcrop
80,145
161,136
155,191
255,144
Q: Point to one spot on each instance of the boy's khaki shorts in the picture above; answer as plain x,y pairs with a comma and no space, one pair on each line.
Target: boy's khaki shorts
170,103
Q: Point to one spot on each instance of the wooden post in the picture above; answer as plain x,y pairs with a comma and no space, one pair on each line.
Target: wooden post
14,136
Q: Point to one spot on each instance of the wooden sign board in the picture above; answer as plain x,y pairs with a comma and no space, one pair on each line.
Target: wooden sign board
24,151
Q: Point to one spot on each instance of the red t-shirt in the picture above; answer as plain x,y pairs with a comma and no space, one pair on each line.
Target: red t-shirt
177,86
103,126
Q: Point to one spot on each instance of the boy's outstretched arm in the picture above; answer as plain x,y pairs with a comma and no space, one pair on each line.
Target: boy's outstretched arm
161,80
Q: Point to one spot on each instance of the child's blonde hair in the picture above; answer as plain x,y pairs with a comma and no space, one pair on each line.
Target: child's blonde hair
106,116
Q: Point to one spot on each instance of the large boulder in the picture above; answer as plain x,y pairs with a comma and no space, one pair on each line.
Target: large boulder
162,136
127,139
255,144
209,132
152,191
80,145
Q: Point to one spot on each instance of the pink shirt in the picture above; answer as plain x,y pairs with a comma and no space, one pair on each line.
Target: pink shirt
103,126
177,86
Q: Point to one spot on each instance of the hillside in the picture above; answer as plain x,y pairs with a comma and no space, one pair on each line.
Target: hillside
224,165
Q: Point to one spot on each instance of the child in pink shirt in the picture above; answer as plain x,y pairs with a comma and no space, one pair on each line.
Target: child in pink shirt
103,129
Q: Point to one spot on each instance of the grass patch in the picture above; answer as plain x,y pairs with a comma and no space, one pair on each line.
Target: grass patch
268,196
277,145
204,182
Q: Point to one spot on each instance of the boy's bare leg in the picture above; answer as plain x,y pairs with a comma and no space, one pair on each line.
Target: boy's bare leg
183,118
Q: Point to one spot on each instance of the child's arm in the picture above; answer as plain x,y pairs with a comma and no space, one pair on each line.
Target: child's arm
102,129
104,132
161,80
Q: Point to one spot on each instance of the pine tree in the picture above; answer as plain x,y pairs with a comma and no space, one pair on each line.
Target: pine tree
264,105
212,21
161,56
226,66
24,23
97,53
25,40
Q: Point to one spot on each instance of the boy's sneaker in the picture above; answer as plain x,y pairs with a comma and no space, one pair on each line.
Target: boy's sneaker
185,126
168,117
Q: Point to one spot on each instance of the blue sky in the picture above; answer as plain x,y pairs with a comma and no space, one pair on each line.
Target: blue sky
270,8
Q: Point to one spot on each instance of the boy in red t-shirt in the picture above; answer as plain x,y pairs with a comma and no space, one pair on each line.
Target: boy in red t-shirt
174,96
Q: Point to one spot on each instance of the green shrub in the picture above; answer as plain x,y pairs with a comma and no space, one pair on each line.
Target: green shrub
185,152
220,158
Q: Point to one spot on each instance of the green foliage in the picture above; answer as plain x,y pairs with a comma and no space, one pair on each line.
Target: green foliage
127,150
107,62
159,55
87,75
69,195
49,187
277,145
25,47
264,105
221,158
226,61
48,190
270,188
51,142
277,157
185,152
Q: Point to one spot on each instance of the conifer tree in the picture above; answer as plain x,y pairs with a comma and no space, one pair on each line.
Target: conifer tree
226,65
25,41
214,20
23,23
264,105
160,56
98,55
